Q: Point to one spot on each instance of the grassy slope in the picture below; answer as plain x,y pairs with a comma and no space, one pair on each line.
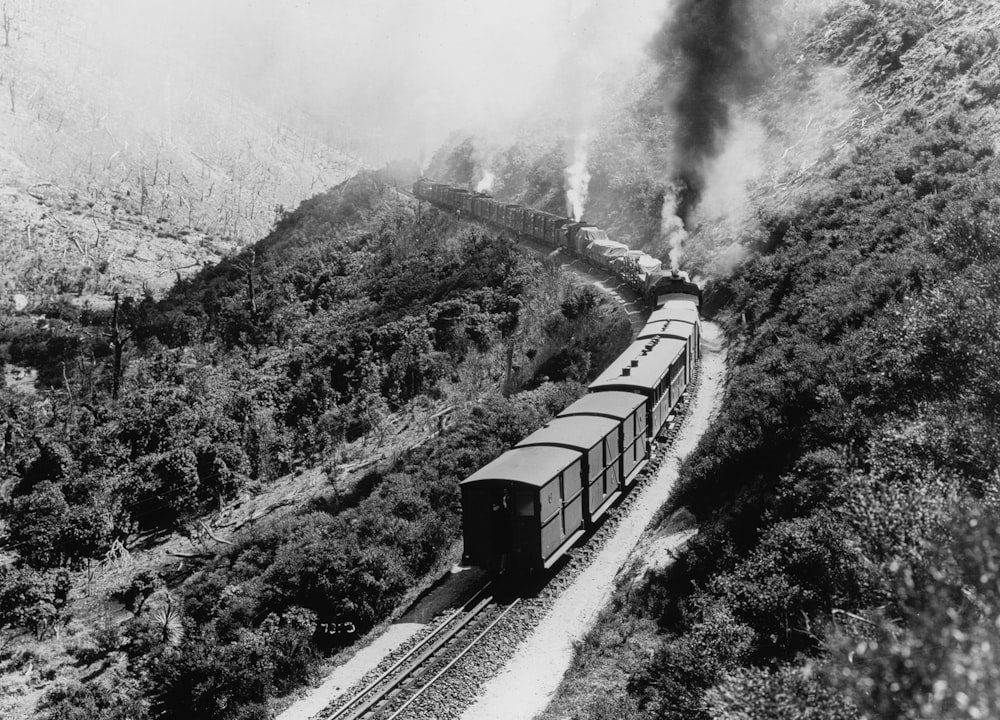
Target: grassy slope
846,562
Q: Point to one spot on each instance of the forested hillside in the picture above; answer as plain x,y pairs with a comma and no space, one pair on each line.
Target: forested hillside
360,310
195,487
846,561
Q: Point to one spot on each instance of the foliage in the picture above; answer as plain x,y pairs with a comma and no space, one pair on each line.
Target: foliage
32,599
352,565
859,419
355,306
937,657
93,701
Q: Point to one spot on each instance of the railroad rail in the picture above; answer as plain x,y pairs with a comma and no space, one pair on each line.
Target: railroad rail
392,692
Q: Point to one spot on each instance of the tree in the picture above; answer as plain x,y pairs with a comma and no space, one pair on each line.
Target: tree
117,339
8,19
37,525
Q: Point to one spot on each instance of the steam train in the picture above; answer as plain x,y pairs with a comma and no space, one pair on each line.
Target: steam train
525,509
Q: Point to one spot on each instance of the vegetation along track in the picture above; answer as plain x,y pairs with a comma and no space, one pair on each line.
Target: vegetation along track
390,694
583,271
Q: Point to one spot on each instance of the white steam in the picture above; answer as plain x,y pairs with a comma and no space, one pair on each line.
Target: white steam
485,185
672,231
577,179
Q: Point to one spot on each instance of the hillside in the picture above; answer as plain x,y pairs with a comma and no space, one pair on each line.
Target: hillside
845,565
309,375
264,436
125,165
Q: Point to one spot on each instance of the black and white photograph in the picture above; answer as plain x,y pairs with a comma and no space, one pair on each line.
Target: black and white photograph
522,360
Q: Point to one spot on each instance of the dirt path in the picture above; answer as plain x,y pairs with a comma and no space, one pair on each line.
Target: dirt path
531,678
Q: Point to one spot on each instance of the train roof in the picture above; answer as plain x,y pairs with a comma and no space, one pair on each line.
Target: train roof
652,359
613,403
579,433
534,466
684,310
668,328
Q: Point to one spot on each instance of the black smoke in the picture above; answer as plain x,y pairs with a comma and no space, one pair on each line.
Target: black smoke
713,53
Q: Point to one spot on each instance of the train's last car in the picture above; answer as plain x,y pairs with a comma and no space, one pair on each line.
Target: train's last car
522,511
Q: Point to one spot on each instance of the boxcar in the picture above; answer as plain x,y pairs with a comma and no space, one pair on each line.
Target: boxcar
555,233
656,368
597,440
680,309
629,411
675,329
524,509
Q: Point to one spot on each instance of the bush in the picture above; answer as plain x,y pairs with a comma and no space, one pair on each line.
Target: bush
94,701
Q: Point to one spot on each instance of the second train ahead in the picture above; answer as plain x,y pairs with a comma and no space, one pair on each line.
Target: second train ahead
525,509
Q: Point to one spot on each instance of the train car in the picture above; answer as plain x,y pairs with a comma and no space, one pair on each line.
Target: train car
580,235
555,233
628,410
523,510
677,318
604,252
421,188
679,329
655,368
597,440
478,206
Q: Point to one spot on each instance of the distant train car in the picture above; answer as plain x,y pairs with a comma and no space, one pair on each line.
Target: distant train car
523,510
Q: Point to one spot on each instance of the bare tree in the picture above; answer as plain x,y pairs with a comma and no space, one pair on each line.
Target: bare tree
8,19
118,340
247,266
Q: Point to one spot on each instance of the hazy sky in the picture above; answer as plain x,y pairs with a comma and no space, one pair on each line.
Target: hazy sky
409,72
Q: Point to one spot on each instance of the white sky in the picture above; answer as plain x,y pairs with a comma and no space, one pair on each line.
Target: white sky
409,72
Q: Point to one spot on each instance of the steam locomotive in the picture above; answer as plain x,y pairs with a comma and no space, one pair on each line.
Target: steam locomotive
525,509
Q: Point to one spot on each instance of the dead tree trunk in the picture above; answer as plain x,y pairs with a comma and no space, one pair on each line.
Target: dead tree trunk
250,288
117,340
7,18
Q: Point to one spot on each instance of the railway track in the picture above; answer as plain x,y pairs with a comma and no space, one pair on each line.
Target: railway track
393,691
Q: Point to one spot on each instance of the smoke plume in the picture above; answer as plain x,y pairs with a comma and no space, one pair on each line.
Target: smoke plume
714,53
577,179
